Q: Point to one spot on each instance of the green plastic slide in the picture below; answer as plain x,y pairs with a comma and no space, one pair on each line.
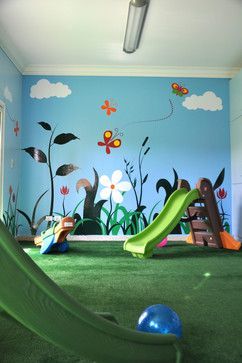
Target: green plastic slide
142,244
32,298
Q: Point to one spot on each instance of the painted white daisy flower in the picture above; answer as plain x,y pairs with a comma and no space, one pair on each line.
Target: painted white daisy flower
114,187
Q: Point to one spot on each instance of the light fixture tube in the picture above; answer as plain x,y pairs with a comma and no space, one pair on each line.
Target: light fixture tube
135,23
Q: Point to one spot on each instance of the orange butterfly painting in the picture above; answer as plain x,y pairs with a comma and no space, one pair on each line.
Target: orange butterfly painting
110,140
179,90
108,107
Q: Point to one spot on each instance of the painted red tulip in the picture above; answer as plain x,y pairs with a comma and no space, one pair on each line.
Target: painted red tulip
221,193
10,190
64,190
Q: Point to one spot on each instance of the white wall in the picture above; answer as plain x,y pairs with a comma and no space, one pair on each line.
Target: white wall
11,99
236,153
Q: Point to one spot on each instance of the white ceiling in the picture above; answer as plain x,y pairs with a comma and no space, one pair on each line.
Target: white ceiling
86,37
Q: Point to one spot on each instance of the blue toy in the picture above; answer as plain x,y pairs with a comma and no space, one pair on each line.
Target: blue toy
160,319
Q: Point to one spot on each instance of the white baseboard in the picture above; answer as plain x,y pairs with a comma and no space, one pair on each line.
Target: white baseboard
171,237
79,238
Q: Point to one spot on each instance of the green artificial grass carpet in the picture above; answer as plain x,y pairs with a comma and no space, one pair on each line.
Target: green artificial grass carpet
203,285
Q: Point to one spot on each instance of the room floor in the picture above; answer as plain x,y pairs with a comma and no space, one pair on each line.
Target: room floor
204,286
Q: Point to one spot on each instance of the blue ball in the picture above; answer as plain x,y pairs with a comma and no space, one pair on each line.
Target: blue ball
160,319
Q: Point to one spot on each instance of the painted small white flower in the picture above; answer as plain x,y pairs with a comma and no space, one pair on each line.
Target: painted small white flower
113,187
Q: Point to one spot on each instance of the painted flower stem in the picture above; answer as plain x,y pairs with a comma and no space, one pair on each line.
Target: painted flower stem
63,207
109,216
140,173
133,185
222,214
140,177
142,180
15,214
51,176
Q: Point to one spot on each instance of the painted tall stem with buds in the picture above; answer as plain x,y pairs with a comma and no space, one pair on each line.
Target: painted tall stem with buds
39,156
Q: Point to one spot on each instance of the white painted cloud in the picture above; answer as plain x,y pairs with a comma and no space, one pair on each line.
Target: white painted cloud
44,89
7,94
207,102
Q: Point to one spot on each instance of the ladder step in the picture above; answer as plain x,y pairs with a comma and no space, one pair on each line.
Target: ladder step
199,200
200,224
199,211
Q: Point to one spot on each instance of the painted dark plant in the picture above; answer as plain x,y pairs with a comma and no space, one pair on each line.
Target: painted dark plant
137,182
32,222
220,179
46,157
10,217
89,223
169,189
221,194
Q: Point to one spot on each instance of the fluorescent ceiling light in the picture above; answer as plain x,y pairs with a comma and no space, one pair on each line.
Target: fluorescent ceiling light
135,23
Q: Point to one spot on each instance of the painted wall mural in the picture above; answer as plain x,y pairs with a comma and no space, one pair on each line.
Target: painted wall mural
127,142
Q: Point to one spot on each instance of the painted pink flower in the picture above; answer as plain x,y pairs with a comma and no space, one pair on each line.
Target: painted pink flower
64,190
10,190
221,193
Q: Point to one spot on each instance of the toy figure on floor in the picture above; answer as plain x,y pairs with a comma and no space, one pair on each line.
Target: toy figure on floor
54,238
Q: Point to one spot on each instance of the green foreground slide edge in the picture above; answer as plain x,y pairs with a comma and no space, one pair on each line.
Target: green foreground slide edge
33,299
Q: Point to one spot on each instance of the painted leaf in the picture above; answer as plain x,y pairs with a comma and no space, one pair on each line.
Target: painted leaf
164,183
155,215
140,208
145,141
96,182
83,183
145,179
64,138
91,191
98,207
220,179
36,154
175,185
45,125
25,215
147,150
38,223
135,183
66,169
36,206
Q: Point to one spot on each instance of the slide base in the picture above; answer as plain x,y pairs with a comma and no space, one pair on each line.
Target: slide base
229,242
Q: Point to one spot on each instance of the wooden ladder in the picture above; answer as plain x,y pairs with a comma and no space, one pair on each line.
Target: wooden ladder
203,215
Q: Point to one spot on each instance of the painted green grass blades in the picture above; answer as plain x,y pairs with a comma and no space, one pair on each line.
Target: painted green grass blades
142,244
